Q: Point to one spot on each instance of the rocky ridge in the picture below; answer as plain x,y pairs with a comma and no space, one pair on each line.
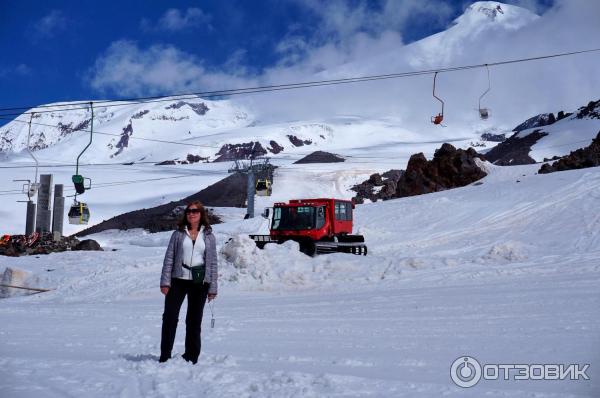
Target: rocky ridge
449,168
579,159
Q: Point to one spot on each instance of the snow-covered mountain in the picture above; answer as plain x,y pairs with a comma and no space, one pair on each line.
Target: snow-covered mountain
483,21
117,127
215,130
273,124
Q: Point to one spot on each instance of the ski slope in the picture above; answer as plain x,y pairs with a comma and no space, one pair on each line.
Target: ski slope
505,271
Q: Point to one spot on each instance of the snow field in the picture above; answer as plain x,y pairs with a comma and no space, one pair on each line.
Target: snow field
504,271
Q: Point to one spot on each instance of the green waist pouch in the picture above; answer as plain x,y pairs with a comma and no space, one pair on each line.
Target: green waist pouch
198,272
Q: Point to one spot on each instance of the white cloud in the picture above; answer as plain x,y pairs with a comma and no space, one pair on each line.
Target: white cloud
371,43
49,25
361,41
129,70
340,20
174,20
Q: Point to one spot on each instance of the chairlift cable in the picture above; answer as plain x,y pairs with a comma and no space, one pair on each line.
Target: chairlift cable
279,87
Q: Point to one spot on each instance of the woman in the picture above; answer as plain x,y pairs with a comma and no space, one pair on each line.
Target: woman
192,247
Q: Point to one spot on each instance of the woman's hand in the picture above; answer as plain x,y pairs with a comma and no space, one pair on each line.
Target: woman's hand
164,290
211,296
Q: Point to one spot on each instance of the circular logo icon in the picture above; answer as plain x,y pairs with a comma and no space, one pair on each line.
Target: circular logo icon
465,372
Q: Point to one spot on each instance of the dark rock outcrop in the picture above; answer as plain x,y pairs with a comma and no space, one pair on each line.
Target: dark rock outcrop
166,163
124,140
40,143
493,137
190,159
176,105
20,245
140,114
579,159
169,118
320,157
378,186
590,111
514,150
449,168
543,119
66,129
274,148
561,115
199,109
88,245
248,150
297,141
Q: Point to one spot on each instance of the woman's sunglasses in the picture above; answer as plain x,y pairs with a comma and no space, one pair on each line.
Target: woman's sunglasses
192,211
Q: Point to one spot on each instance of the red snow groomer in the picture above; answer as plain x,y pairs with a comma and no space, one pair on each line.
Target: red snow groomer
318,225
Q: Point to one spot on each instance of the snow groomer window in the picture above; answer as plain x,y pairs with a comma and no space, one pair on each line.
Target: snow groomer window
341,211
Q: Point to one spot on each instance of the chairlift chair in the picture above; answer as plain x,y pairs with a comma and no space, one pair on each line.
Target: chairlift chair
79,213
263,187
32,189
484,113
437,119
79,183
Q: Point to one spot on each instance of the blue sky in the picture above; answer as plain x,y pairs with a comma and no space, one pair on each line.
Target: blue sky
76,50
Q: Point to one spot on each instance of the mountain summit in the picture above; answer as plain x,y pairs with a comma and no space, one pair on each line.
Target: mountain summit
509,16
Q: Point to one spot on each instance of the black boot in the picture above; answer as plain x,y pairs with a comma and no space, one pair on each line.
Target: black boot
188,359
164,358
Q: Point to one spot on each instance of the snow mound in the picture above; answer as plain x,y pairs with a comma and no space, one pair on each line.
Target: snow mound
275,264
284,267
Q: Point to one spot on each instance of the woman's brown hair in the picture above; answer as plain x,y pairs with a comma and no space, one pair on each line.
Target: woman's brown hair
183,222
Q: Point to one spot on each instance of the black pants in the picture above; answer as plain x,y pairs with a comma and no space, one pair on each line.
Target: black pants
196,294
